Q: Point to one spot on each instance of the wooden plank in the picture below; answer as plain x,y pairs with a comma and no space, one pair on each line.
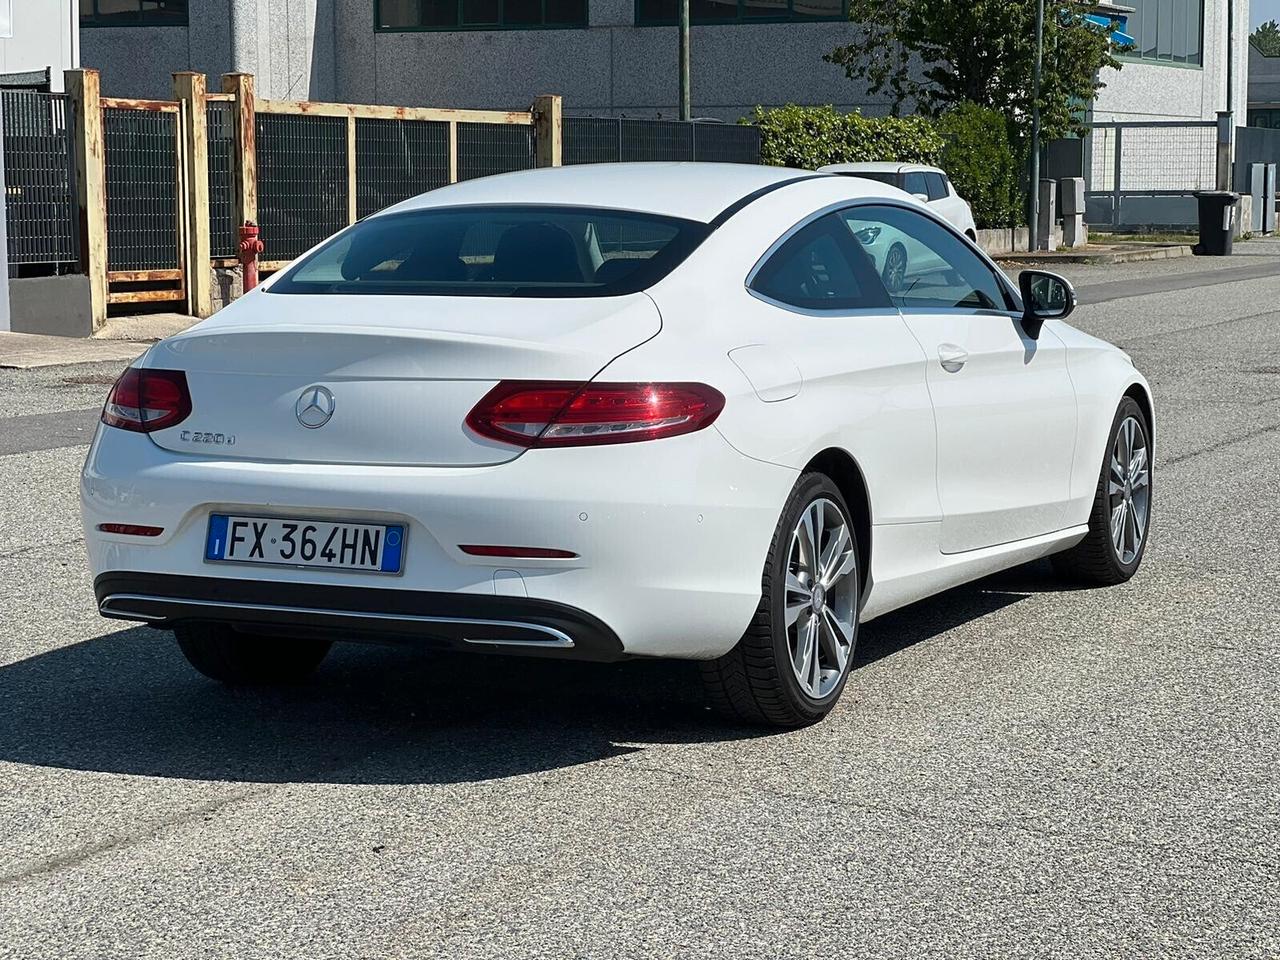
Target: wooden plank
190,90
220,97
152,106
142,276
453,152
351,169
244,155
146,296
375,112
548,125
85,94
271,266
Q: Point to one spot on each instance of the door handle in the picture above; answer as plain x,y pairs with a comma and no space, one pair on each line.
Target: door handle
952,357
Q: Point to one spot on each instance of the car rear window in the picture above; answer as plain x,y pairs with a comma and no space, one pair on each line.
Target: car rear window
890,178
498,251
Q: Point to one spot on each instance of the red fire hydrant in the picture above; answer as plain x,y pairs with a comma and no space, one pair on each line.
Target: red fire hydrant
250,247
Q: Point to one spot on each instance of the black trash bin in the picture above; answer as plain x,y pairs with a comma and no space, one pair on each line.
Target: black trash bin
1217,222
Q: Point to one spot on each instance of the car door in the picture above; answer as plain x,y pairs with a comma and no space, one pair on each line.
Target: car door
834,365
942,200
1004,404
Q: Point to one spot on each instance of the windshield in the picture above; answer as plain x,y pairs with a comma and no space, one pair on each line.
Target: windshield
508,251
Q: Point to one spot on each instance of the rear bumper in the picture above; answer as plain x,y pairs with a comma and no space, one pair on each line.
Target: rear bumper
669,536
449,620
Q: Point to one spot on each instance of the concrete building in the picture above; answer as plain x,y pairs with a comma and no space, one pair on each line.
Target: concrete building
38,40
607,57
1264,90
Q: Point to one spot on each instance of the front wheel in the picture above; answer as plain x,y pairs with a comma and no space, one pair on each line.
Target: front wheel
894,273
791,665
1121,518
228,656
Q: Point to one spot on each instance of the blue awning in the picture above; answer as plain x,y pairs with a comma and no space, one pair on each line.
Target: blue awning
1118,37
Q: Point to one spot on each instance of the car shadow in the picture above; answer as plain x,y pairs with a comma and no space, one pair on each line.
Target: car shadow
127,702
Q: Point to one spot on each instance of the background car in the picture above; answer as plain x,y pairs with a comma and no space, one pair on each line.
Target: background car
610,411
929,185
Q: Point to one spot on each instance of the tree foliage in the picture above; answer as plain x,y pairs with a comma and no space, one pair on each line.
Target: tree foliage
936,54
983,162
1267,39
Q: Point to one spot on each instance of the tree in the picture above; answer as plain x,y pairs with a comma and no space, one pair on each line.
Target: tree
938,54
1267,39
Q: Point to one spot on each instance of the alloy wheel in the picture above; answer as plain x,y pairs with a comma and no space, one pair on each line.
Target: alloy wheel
1129,490
821,597
895,269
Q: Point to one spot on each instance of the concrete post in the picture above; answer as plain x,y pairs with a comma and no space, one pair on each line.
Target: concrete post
1074,232
1226,148
1045,239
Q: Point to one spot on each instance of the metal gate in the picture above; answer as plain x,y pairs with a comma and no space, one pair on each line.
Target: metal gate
145,192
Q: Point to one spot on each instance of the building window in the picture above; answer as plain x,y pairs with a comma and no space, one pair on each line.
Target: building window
133,13
1265,118
1169,31
401,15
664,12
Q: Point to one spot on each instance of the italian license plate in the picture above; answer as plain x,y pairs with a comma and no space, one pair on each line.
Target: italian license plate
369,548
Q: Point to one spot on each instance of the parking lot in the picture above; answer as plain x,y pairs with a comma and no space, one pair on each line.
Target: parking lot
1015,769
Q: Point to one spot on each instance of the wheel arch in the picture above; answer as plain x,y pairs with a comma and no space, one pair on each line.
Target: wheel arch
1142,397
845,473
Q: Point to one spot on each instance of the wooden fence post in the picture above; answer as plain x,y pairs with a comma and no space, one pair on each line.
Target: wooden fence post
189,90
84,91
548,126
351,169
244,164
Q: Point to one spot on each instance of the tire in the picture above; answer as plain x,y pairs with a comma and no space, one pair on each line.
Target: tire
758,682
894,274
228,656
1097,559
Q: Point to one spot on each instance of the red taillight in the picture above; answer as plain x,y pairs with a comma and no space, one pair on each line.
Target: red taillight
524,553
146,400
558,414
131,529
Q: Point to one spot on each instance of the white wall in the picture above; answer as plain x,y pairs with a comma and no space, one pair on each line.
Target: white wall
44,34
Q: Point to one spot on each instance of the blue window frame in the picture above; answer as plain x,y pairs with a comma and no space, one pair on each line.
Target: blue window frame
653,13
400,16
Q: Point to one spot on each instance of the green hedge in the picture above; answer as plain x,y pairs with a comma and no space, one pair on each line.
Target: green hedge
811,137
971,143
984,163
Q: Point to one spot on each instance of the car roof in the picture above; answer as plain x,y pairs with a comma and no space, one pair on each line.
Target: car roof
879,168
694,191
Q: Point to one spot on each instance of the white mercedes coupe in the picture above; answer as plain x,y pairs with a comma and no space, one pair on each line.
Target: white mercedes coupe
600,412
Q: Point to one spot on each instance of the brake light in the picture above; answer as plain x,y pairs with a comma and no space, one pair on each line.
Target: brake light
131,529
565,414
146,400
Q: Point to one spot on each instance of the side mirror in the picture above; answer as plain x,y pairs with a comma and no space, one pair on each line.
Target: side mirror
922,197
1045,296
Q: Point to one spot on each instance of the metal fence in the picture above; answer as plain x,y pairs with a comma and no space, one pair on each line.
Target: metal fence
398,159
220,132
40,183
1146,174
302,181
620,139
1254,145
141,176
488,148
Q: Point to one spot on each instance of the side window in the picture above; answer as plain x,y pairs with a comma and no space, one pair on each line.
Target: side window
821,267
937,186
914,183
922,263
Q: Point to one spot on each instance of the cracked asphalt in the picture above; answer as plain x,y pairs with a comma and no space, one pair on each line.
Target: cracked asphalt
1016,770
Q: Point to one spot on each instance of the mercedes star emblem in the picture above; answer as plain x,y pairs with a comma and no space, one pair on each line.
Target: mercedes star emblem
315,407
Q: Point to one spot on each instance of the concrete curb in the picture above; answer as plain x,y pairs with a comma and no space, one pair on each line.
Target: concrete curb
1157,252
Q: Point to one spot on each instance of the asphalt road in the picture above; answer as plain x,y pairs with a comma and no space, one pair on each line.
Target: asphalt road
1015,770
